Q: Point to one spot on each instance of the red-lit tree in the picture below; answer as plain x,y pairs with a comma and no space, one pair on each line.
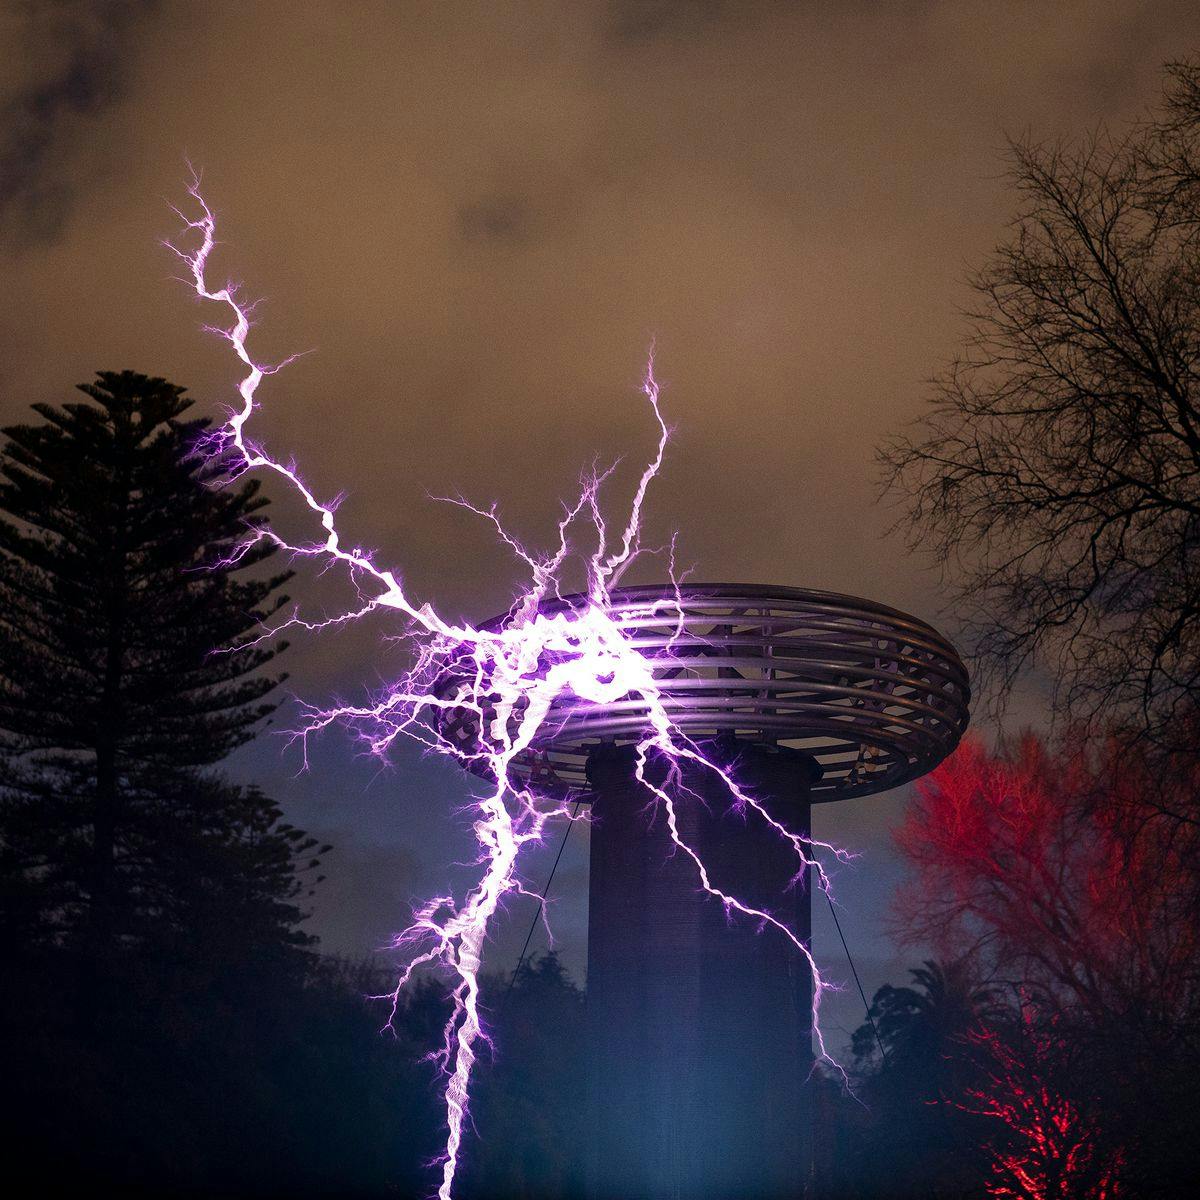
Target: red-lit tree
1049,1144
1046,864
1048,867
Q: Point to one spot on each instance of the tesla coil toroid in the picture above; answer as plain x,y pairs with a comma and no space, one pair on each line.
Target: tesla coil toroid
875,697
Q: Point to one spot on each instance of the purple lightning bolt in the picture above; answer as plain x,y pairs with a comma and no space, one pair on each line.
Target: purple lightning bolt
508,678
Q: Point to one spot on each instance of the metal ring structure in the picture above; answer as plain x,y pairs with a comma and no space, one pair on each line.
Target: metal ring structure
876,697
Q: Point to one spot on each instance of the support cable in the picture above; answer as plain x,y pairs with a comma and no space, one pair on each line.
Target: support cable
858,982
537,916
545,893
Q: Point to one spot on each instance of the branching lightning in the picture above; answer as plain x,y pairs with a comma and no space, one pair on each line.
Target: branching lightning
507,677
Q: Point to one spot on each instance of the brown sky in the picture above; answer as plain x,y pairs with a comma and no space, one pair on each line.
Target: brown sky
479,215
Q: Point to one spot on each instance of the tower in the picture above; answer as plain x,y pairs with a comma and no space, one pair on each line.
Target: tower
699,1026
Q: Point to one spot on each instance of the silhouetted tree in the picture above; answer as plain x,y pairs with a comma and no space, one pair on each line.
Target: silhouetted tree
1057,482
150,910
529,1105
1058,477
921,1026
117,596
229,880
913,1139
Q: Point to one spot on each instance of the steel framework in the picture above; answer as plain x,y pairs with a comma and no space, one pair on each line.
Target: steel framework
875,696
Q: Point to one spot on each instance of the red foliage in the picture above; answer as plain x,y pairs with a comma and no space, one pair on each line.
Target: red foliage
1055,868
1051,1147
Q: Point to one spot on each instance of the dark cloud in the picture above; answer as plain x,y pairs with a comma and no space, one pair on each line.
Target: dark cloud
649,20
75,61
503,219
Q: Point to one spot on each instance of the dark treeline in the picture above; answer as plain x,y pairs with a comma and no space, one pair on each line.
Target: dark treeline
168,1026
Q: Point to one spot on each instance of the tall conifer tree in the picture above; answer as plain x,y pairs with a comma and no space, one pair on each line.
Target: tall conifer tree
114,697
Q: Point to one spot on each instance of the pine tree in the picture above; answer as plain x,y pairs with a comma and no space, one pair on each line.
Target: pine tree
117,608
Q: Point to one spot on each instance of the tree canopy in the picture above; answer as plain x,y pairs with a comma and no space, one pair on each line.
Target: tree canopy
1057,477
119,603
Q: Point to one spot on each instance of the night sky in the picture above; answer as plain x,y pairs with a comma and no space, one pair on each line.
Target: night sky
478,217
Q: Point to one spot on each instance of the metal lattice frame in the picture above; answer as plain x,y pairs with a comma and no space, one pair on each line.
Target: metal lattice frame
875,696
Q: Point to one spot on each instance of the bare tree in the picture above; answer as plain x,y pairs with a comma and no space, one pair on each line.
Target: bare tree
1057,478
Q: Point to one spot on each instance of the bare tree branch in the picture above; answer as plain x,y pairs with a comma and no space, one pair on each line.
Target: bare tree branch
1056,479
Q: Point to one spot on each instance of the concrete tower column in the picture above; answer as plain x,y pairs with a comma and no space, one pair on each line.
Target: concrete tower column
699,1027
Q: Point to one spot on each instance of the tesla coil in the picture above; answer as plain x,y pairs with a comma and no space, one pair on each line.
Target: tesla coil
699,1035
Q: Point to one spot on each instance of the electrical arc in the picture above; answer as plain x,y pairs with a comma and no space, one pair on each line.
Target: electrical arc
514,683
